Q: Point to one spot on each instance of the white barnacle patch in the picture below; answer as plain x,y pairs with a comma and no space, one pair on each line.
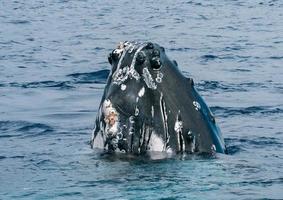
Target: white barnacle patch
164,117
193,141
123,87
169,150
213,148
197,105
106,104
178,126
118,51
134,74
141,92
121,75
137,111
124,72
148,79
131,125
159,77
111,118
156,143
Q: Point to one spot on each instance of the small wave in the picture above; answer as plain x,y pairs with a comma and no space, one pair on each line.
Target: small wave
70,194
19,21
211,85
233,48
43,84
209,57
44,164
262,182
22,128
276,57
17,157
263,141
35,127
240,70
91,77
2,157
235,145
181,49
158,26
232,111
77,78
217,85
232,149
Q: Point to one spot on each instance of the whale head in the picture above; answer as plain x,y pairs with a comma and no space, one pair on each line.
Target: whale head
126,117
149,106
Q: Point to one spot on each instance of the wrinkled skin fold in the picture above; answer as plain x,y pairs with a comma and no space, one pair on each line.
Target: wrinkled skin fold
149,106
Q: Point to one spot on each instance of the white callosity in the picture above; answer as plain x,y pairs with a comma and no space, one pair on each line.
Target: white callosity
159,77
164,117
122,74
131,125
141,92
178,127
156,143
193,141
213,148
123,87
148,79
197,105
129,72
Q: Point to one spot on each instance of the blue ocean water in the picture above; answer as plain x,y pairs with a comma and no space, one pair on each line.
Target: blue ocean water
53,67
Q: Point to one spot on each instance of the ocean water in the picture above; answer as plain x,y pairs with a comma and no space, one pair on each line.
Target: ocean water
53,67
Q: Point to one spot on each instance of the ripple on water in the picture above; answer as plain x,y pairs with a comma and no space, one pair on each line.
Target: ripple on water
252,110
99,76
44,84
19,21
23,129
45,129
236,145
229,87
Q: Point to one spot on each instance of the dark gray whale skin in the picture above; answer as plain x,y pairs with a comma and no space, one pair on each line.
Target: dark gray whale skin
149,105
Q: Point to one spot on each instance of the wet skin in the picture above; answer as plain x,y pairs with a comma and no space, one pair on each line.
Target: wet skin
148,105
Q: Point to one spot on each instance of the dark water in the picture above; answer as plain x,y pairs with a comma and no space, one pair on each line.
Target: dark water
53,68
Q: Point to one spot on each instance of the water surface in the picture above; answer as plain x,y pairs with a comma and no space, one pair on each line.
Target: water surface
53,66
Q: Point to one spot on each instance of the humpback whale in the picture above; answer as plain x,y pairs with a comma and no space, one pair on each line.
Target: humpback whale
148,105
